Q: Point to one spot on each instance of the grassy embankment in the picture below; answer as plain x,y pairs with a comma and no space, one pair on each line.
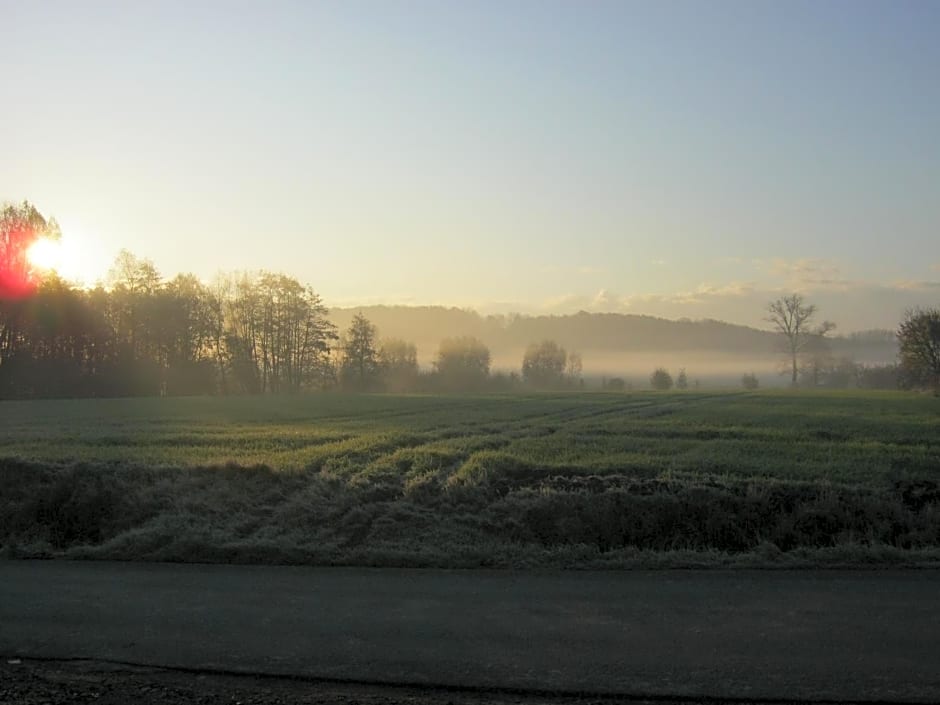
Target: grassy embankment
569,480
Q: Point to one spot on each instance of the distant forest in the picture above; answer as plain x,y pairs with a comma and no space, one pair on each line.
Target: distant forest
618,333
266,333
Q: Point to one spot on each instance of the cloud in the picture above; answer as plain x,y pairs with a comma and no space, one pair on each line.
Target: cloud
805,272
853,305
914,285
605,299
700,294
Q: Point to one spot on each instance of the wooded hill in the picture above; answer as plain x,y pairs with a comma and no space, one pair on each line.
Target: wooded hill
610,342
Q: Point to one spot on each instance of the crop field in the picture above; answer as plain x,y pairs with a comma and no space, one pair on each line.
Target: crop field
554,480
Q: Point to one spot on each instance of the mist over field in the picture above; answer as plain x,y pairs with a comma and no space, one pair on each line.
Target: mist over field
612,344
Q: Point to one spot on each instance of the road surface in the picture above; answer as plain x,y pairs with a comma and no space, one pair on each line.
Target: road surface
842,636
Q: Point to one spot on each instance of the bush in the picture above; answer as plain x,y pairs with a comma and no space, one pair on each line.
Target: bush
661,380
750,381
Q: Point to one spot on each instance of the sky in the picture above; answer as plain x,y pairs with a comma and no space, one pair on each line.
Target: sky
684,159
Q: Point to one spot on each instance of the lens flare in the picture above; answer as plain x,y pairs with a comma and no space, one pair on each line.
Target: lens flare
45,254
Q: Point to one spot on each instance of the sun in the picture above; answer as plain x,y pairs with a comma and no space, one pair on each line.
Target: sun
45,254
74,257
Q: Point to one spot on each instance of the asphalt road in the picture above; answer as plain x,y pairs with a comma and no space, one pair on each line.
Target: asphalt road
844,636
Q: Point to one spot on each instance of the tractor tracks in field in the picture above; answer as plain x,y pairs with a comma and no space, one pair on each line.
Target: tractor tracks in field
487,436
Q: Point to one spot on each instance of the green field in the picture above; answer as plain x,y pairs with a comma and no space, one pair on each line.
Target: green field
565,480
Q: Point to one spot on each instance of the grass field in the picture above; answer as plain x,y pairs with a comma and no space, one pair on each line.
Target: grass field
569,480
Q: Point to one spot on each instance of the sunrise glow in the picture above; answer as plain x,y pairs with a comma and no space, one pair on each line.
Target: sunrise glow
74,257
44,254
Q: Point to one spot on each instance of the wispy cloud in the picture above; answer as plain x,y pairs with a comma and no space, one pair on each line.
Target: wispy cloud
853,305
807,270
915,285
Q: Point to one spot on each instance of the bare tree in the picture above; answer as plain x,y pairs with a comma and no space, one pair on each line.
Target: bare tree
791,316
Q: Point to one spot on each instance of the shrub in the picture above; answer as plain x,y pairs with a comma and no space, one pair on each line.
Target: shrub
661,380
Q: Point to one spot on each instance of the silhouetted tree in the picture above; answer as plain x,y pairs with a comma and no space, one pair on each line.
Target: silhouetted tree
749,381
543,365
20,226
360,366
134,316
661,380
919,342
791,316
188,324
249,333
463,363
291,333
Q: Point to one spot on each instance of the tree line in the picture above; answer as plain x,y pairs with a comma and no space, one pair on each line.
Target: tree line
247,333
266,333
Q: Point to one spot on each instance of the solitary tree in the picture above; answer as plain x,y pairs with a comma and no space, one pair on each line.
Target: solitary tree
919,343
791,316
682,381
544,364
463,363
360,358
661,379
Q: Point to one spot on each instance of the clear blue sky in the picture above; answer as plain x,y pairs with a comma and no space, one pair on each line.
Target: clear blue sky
678,158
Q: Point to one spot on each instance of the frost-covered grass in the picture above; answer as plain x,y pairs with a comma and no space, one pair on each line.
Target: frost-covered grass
572,480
